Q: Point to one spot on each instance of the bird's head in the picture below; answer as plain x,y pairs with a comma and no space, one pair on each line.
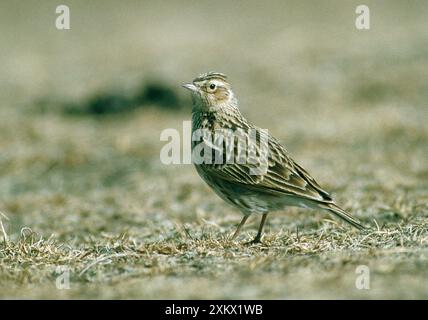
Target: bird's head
211,91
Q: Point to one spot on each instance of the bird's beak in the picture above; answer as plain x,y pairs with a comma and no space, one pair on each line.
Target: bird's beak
190,86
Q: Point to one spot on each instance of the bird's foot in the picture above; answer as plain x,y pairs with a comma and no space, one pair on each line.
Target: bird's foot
255,241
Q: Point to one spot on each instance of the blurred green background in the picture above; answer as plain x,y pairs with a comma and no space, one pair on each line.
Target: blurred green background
84,187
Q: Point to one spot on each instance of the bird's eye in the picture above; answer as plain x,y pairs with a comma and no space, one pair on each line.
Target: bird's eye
212,86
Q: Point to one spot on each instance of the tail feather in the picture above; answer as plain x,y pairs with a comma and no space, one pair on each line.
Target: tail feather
336,210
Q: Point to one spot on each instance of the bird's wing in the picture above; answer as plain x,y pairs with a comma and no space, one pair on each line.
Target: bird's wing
282,175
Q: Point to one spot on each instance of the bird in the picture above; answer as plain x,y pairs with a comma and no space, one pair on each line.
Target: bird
282,183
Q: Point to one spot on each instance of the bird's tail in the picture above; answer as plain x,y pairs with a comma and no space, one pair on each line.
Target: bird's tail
336,210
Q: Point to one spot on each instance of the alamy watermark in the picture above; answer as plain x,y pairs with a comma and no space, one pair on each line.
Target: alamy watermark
362,22
217,147
362,281
62,21
62,281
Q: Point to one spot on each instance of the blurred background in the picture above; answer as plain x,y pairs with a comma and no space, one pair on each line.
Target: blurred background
81,112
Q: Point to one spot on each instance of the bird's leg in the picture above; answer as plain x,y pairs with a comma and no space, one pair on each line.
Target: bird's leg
241,224
258,237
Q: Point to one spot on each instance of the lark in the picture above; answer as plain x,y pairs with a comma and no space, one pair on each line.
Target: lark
283,183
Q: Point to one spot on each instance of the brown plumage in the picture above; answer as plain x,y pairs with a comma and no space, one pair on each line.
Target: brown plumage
282,183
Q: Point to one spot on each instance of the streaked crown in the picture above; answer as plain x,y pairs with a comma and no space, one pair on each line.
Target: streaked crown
210,76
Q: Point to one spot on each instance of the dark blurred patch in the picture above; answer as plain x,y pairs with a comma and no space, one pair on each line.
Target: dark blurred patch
110,103
373,91
101,104
150,94
158,94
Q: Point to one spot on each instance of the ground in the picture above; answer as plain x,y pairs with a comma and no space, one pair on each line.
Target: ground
87,196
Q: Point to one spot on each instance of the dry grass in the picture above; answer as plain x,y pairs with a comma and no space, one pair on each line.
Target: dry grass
90,193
